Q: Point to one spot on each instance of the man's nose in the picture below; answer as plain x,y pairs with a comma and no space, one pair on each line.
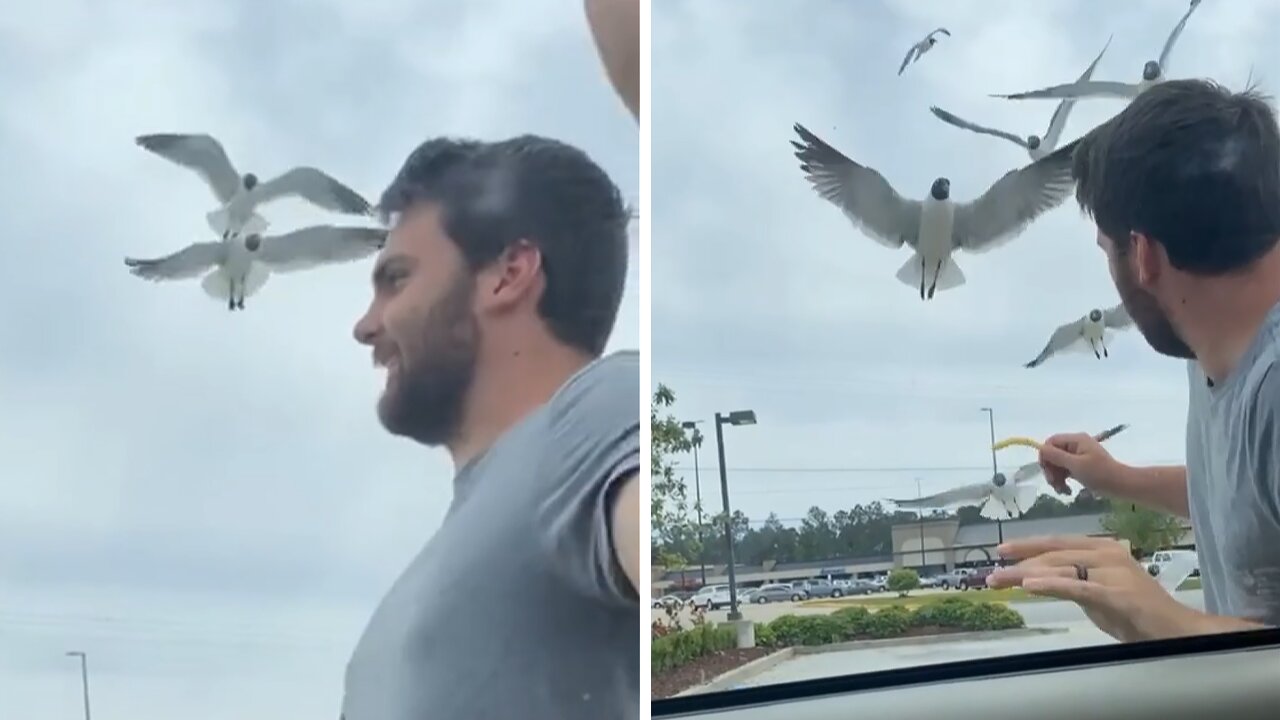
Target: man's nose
366,328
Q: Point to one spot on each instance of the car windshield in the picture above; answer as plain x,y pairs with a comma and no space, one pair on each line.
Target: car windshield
201,507
828,392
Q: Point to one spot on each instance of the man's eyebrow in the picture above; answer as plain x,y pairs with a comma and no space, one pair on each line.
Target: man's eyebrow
385,265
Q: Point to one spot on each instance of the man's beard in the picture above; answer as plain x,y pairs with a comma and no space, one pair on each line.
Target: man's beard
1148,317
425,401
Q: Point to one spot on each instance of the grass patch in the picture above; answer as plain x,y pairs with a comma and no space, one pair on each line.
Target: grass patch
1190,584
1006,595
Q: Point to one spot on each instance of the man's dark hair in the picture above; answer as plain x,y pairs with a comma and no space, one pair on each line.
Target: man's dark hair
1191,165
531,188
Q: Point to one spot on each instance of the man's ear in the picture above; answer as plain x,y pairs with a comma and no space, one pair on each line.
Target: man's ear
513,278
1148,258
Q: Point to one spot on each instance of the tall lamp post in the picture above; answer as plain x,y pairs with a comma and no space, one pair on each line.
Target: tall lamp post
737,417
84,677
991,420
920,495
696,441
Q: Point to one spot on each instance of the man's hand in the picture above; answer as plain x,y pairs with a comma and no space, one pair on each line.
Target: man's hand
1119,596
1080,456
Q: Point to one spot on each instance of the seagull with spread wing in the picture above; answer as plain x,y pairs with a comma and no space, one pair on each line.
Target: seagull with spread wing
918,50
1153,72
1036,146
239,196
235,269
1000,498
1091,331
935,227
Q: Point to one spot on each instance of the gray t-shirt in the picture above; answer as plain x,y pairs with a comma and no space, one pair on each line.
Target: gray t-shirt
1233,480
517,607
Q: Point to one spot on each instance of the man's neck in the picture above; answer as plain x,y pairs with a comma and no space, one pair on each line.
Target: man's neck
507,388
1221,316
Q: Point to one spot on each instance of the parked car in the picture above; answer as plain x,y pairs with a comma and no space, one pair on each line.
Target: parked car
774,592
856,586
821,589
710,597
667,601
952,579
976,579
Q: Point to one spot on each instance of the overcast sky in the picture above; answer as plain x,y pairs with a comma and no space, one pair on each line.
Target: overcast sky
204,501
767,298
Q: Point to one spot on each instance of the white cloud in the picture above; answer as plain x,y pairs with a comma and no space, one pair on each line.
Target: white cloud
166,461
766,297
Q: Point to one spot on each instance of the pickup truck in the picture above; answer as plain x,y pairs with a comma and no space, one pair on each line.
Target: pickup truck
964,578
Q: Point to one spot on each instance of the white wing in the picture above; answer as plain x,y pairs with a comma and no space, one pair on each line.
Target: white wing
1061,339
942,30
1077,90
1173,38
315,186
1016,199
976,492
186,263
951,119
1058,122
319,245
1116,317
862,194
907,60
201,153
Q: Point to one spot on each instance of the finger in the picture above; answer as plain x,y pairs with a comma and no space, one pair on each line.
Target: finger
1030,547
1018,575
1088,557
1057,456
1081,592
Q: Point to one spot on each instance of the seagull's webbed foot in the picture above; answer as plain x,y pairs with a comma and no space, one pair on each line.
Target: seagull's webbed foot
240,303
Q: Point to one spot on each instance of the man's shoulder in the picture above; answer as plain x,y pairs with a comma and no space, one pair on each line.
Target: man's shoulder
609,385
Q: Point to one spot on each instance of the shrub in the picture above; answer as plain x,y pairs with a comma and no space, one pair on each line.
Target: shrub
888,622
790,630
765,637
950,612
852,621
902,581
678,648
992,616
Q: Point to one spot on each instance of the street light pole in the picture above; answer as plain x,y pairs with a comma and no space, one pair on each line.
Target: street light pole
696,441
738,417
84,677
920,495
991,419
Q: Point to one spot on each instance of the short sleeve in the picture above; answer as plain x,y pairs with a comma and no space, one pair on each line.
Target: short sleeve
594,423
1263,425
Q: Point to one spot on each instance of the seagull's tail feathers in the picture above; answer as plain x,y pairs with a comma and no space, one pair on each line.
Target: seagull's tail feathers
220,220
993,509
257,277
216,285
916,272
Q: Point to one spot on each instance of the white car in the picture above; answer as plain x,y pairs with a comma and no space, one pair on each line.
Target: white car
711,597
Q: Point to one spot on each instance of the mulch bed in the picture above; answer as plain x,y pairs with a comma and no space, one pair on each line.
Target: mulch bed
703,670
709,667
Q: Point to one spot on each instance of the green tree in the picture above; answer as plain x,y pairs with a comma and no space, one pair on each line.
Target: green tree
902,581
668,504
1146,530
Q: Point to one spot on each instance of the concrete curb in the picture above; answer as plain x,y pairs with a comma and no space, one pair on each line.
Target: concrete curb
728,679
732,677
926,640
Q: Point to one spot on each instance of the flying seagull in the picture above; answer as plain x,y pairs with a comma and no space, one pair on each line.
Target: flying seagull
240,196
919,49
936,227
1091,331
1000,498
1153,72
1036,146
238,268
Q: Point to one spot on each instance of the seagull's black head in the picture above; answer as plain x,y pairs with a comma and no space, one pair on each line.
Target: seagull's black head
999,480
253,242
1151,71
941,189
250,181
1033,141
1095,315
